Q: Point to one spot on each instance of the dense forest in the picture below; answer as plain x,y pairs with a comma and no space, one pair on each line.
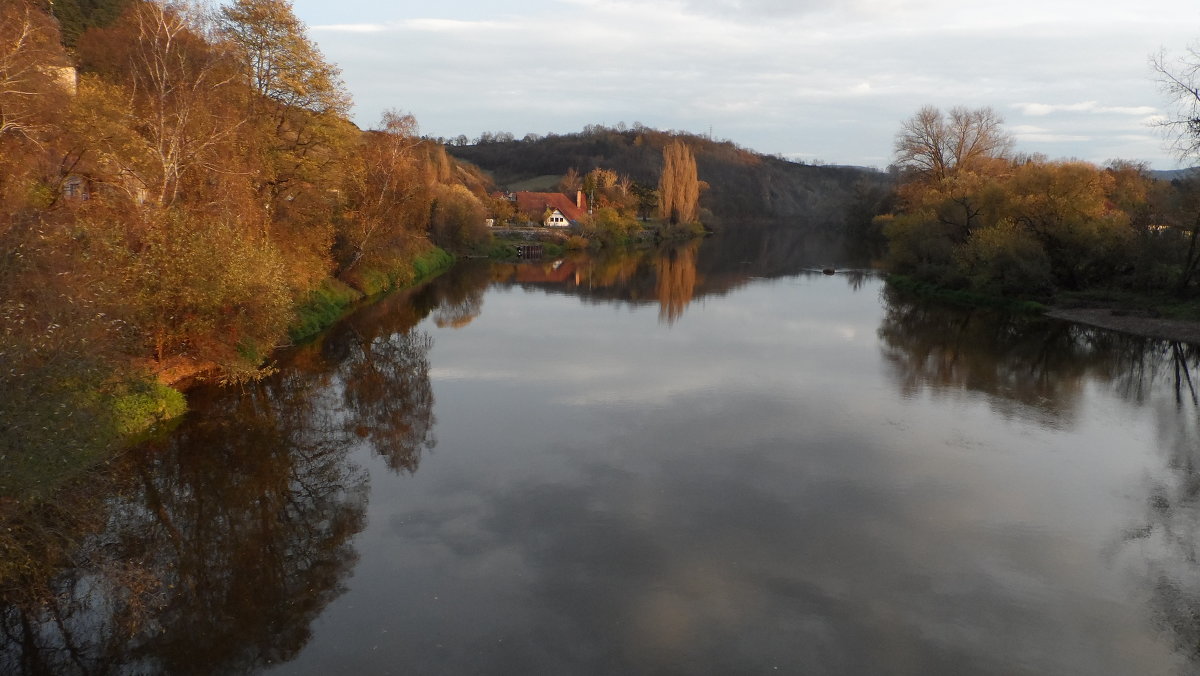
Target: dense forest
181,189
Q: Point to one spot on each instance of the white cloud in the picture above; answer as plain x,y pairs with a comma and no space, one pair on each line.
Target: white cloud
834,79
1052,138
1042,109
350,28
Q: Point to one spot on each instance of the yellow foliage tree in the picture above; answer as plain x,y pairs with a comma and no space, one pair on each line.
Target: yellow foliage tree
679,187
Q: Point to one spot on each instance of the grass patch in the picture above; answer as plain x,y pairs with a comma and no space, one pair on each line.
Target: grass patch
69,427
329,301
322,308
506,249
1159,304
963,298
141,405
430,263
544,183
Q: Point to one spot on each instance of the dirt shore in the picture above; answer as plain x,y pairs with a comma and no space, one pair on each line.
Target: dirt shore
1116,320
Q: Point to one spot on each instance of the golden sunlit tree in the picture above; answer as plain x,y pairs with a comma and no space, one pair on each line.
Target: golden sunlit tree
387,195
679,186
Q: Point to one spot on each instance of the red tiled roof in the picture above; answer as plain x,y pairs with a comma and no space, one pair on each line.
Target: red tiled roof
534,204
565,272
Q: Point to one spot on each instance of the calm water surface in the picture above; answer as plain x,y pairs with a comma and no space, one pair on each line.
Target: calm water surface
705,460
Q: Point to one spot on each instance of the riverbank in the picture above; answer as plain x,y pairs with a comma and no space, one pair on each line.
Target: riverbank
1132,322
1135,315
557,241
962,298
333,298
51,445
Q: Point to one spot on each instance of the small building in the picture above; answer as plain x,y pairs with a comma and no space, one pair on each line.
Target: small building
76,187
552,209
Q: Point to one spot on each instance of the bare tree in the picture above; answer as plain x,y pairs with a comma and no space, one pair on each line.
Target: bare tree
937,146
179,80
1180,82
29,61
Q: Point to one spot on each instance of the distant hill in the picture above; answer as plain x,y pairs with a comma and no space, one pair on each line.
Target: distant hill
744,186
1172,174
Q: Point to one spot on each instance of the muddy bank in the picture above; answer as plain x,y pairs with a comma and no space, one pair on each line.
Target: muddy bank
1131,322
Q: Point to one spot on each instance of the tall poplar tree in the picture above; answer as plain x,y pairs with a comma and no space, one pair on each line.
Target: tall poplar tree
679,187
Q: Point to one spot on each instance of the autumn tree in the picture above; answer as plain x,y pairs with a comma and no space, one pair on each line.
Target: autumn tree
31,65
300,107
282,63
181,87
35,86
570,182
458,218
679,187
387,193
948,164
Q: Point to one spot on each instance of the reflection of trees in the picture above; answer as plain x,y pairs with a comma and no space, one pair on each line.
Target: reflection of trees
214,552
1045,366
676,280
390,397
856,279
1036,363
1168,538
461,294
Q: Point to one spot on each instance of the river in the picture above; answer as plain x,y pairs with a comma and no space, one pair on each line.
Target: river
712,459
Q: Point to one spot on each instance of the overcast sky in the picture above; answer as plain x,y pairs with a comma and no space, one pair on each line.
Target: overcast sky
827,80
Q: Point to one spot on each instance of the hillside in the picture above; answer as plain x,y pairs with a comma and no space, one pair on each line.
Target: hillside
743,185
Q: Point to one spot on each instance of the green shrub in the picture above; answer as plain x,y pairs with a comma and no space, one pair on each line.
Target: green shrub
920,246
608,227
1006,260
139,405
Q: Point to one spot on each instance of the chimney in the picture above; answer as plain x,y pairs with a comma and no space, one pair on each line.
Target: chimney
579,201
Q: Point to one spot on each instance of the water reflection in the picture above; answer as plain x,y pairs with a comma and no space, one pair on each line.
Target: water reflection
389,397
760,499
1039,369
1038,363
674,275
215,550
676,280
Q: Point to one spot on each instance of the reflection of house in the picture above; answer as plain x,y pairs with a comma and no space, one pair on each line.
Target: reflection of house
552,209
558,272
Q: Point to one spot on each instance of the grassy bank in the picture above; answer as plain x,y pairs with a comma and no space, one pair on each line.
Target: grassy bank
962,298
329,301
504,249
65,424
1156,304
